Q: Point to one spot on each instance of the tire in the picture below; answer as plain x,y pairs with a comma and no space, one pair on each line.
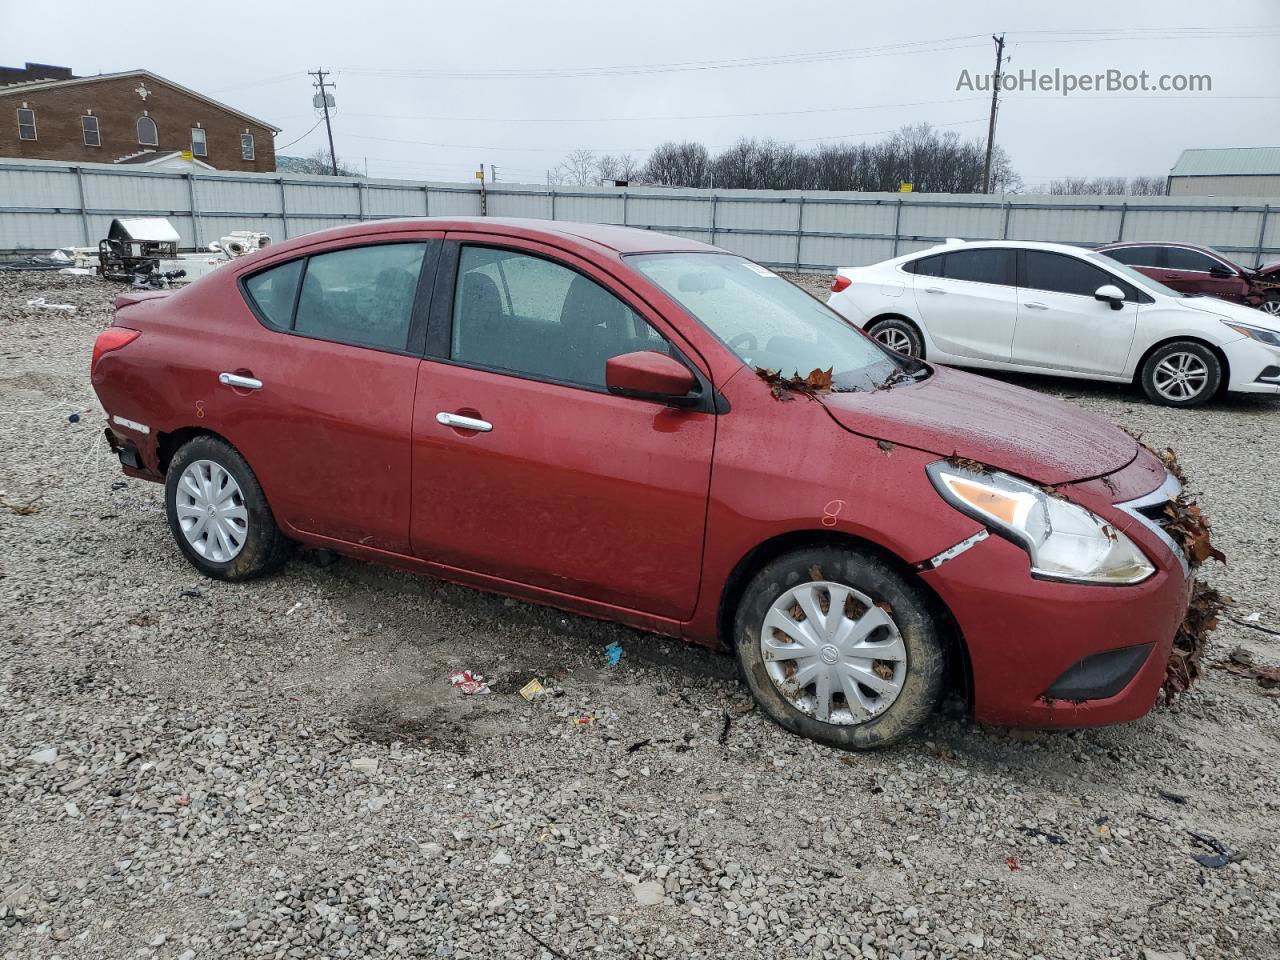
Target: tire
1194,361
898,335
1270,304
251,544
881,717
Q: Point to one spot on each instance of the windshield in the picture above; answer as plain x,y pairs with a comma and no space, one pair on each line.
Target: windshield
769,322
1140,280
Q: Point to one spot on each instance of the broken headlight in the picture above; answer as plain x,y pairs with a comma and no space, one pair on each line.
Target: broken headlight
1063,539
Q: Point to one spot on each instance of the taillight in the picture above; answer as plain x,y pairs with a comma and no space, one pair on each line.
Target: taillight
840,283
112,338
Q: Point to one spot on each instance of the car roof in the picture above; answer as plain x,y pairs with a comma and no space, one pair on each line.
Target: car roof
605,236
955,245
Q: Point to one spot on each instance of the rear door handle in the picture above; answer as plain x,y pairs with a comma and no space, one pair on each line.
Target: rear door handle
463,423
235,380
1035,305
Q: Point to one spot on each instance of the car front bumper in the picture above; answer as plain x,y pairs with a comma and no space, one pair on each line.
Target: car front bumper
1052,654
1254,367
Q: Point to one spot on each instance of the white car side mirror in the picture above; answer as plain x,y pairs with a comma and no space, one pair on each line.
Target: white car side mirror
1110,293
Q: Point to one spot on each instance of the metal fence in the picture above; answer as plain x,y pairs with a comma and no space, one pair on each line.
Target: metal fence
45,205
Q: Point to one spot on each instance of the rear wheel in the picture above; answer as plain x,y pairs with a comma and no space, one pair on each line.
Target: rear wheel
898,335
1182,374
218,513
839,647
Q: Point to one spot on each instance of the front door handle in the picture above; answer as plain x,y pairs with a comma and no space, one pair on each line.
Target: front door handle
235,380
1035,305
934,290
463,423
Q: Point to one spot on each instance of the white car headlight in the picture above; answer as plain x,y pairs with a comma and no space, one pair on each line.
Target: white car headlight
1063,539
1261,334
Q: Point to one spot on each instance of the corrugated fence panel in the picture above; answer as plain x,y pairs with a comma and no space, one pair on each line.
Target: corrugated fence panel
41,207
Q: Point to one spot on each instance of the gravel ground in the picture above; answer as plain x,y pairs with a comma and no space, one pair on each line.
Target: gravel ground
280,769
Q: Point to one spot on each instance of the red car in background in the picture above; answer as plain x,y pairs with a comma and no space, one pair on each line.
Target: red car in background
592,417
1202,270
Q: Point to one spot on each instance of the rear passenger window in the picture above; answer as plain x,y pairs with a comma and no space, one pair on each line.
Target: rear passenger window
925,267
274,292
362,296
980,266
535,317
1180,258
1058,273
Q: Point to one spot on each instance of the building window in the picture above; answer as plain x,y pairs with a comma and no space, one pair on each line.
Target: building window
148,136
26,124
246,146
89,130
199,145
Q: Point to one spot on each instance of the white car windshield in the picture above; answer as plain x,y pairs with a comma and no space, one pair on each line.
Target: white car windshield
770,323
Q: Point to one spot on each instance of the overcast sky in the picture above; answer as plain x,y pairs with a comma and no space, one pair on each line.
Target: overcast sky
420,92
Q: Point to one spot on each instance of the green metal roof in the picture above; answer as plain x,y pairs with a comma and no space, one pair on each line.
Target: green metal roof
1232,161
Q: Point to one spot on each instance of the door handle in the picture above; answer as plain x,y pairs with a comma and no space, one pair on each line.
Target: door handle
934,290
235,380
1173,276
1035,305
463,423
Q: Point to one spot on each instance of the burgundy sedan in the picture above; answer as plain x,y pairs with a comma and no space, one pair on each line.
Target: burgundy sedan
605,420
1190,269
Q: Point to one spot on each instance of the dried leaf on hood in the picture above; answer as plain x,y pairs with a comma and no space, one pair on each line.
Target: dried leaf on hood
817,381
965,463
1190,528
1191,639
885,447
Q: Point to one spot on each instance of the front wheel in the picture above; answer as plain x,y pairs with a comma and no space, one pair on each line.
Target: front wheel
1182,374
218,513
839,647
1270,304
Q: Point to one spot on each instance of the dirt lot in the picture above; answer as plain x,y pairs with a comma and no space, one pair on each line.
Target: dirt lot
280,769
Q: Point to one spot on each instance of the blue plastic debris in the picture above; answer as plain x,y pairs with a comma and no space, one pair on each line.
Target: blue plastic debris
74,418
613,653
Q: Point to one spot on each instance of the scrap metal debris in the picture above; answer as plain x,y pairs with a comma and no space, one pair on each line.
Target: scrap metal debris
1221,856
1240,662
1192,637
782,388
1053,838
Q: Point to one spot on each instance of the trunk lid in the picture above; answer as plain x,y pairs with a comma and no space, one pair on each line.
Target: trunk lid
1003,426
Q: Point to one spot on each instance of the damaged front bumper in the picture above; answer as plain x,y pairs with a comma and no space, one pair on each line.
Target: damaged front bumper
1053,654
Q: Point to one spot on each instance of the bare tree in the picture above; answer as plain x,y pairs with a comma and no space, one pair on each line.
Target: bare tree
1153,186
318,163
578,168
620,167
678,165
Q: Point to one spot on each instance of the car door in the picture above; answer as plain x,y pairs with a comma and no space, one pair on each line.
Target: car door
525,467
328,431
1061,325
967,301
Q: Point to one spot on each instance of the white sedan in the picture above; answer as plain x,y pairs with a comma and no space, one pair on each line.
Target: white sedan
1051,308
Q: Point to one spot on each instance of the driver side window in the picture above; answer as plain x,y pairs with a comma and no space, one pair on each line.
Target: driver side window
537,318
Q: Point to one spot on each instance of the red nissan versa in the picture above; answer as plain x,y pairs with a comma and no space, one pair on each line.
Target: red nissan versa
571,414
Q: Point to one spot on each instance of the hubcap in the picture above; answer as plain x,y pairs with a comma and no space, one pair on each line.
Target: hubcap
1270,306
1180,376
895,339
832,653
211,511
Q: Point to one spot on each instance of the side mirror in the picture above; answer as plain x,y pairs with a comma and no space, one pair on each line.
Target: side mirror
1221,272
649,375
1110,293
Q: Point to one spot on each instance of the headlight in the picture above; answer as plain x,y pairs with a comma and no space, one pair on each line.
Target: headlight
1064,540
1261,334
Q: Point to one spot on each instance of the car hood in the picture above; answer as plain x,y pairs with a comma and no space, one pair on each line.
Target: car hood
1225,310
1003,426
1269,268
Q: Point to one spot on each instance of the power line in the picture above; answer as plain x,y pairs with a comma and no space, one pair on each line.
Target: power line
303,137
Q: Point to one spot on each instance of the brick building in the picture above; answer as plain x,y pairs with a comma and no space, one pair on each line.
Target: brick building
130,117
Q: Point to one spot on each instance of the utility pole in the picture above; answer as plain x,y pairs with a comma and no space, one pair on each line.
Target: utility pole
324,102
484,199
995,103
